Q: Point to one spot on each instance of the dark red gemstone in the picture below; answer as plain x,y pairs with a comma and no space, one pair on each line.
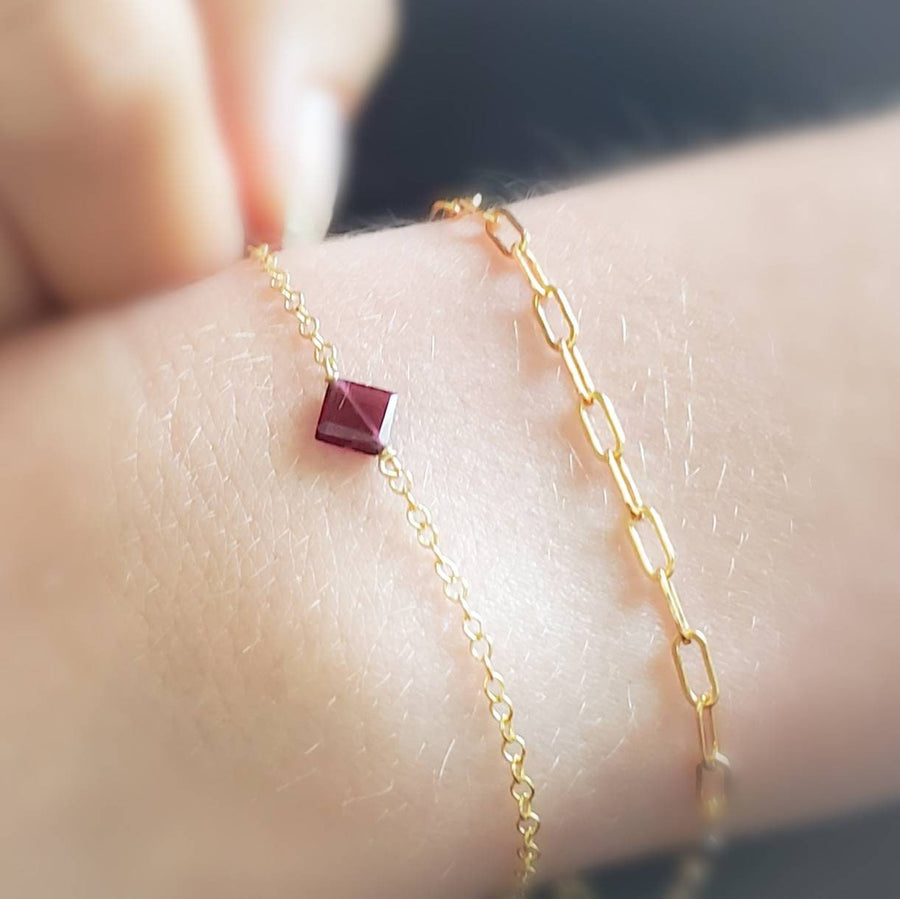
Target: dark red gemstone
356,416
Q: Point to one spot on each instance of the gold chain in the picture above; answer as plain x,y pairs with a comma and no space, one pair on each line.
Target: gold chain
595,410
324,352
454,586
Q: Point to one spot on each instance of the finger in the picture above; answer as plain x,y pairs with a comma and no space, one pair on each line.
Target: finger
111,165
288,75
19,293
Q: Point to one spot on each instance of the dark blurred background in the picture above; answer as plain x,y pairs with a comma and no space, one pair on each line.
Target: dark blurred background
513,96
506,94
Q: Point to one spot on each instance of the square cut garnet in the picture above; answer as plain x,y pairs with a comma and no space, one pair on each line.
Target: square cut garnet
356,416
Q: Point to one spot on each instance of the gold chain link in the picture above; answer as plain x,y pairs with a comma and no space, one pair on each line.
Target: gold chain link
454,586
325,353
456,590
606,439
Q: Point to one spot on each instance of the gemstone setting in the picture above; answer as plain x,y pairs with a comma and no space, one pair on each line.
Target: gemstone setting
356,416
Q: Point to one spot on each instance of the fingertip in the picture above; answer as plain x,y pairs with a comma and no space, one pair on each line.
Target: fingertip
315,166
289,76
21,299
112,166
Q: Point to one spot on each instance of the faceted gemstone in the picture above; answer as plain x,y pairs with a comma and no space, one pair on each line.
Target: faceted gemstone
356,416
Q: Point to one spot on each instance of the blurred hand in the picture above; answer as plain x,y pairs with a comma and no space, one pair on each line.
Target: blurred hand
141,139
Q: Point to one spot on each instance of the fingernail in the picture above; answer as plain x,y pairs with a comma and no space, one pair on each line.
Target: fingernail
315,166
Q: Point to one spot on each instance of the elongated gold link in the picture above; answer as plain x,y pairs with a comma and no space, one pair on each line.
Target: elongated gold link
454,586
606,438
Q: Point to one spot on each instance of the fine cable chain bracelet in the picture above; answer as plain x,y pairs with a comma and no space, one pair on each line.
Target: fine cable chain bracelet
359,417
713,771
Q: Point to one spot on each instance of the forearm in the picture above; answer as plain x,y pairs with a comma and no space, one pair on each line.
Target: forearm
235,620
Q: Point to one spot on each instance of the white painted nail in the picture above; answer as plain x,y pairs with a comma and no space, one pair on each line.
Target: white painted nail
316,163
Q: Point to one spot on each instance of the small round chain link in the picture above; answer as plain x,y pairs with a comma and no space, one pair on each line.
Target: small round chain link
512,744
325,353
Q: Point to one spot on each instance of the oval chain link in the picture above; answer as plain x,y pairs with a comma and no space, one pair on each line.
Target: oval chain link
713,770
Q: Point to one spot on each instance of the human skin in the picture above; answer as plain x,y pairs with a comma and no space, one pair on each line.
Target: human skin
140,140
227,668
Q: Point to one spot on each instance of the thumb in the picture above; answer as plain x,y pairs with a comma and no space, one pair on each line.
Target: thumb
289,75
